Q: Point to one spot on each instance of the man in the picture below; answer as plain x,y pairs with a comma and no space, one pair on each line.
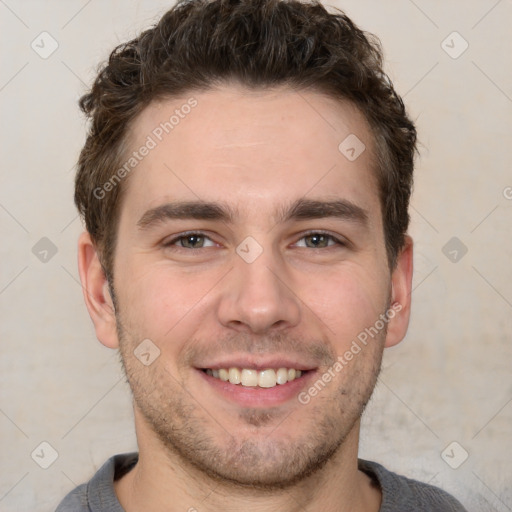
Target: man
245,187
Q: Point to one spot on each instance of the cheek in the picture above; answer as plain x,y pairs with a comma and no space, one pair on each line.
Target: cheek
348,302
164,306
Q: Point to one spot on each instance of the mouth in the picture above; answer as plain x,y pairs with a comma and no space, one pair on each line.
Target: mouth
252,377
256,383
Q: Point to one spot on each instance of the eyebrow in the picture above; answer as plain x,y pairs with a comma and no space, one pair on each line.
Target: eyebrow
302,209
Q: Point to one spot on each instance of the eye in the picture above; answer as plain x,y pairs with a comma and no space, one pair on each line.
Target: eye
191,241
197,240
318,240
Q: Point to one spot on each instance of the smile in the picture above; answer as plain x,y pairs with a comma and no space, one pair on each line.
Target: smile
250,377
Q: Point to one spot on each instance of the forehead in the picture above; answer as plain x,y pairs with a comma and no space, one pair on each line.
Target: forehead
253,148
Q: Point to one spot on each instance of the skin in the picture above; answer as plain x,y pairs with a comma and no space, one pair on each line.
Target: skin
255,152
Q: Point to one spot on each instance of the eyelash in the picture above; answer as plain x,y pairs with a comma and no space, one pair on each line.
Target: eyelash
182,236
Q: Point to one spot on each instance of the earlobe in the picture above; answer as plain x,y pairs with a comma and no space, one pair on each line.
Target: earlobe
96,292
401,288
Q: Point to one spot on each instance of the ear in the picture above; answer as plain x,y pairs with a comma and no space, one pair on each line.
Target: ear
96,292
401,289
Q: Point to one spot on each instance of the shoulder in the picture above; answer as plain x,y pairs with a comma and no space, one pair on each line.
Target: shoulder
75,501
98,494
400,493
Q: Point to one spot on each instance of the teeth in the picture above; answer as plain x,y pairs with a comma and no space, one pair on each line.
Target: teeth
235,376
253,378
267,379
282,376
249,377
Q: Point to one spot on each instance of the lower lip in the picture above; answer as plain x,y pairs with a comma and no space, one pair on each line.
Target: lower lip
248,396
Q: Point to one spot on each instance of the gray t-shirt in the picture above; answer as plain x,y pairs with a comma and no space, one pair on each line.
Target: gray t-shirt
399,494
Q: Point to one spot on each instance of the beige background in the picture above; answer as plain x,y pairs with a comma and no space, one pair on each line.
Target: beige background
450,380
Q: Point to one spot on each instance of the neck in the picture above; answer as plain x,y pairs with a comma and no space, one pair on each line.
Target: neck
163,481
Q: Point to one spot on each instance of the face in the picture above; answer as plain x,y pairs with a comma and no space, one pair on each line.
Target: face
250,247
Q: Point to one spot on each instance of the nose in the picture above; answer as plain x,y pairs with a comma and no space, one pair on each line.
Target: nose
258,297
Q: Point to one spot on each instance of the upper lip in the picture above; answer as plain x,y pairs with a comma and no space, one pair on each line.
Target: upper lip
258,363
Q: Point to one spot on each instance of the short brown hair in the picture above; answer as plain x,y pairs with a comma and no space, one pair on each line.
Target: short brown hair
199,44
